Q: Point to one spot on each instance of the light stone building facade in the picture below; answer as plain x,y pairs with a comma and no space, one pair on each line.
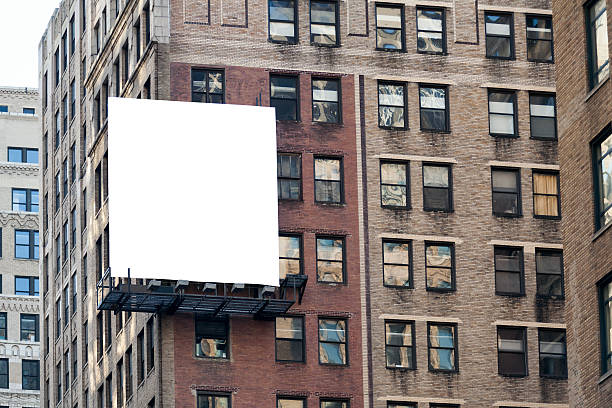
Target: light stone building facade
19,223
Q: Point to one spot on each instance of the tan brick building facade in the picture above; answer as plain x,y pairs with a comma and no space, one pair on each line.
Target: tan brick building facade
449,289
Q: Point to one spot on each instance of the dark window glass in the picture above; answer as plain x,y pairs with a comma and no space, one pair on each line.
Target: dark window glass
539,38
140,356
29,111
389,27
542,110
284,96
324,22
397,263
211,338
326,100
150,344
330,259
605,318
399,345
25,199
401,405
328,180
26,244
511,351
289,176
207,86
29,327
4,373
332,341
394,186
213,401
392,105
433,101
499,35
546,195
502,113
282,23
439,266
2,325
442,344
597,26
437,191
509,271
602,164
290,255
324,403
289,339
128,373
553,353
3,108
506,192
431,36
26,285
30,374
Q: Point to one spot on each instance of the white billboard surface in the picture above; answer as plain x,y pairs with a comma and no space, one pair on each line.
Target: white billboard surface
192,191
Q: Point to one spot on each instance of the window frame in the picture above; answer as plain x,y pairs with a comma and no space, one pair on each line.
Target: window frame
447,128
31,285
336,24
338,102
412,347
35,363
519,207
206,71
296,77
410,268
514,112
36,326
346,337
404,85
455,347
558,195
408,205
302,340
295,39
6,361
554,95
331,237
451,245
512,35
551,41
281,178
31,243
433,8
28,203
341,400
592,74
596,158
402,8
300,237
24,154
524,353
605,336
521,271
341,181
226,322
291,397
449,188
540,331
562,274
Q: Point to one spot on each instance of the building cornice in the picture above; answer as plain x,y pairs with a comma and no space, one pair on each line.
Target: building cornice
16,219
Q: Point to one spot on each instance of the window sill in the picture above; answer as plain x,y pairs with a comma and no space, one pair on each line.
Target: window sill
544,139
441,131
336,124
601,231
597,88
398,286
314,44
397,129
503,136
401,368
546,217
438,211
396,207
513,58
511,295
326,204
432,53
401,50
507,215
294,42
604,377
440,291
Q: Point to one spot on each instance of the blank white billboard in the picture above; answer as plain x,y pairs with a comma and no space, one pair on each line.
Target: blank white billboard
192,191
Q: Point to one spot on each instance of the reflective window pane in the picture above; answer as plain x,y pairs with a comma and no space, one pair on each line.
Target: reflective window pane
389,28
430,26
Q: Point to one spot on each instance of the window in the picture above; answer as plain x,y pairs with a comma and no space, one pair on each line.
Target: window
66,305
602,165
22,155
328,179
546,200
442,345
73,221
506,192
394,186
26,244
128,374
56,61
539,39
284,96
330,259
3,108
389,27
207,86
74,292
58,254
289,176
502,113
29,327
72,35
211,338
399,345
605,318
120,377
397,263
333,403
290,402
30,374
66,370
213,401
98,186
125,52
431,32
3,326
324,22
140,357
499,33
72,99
325,100
99,335
332,341
4,373
290,255
289,339
150,344
26,285
29,111
65,113
437,190
434,108
25,199
58,317
47,337
509,271
66,237
392,102
64,51
597,38
137,39
58,376
65,177
282,24
109,391
440,266
553,353
75,364
543,116
511,351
